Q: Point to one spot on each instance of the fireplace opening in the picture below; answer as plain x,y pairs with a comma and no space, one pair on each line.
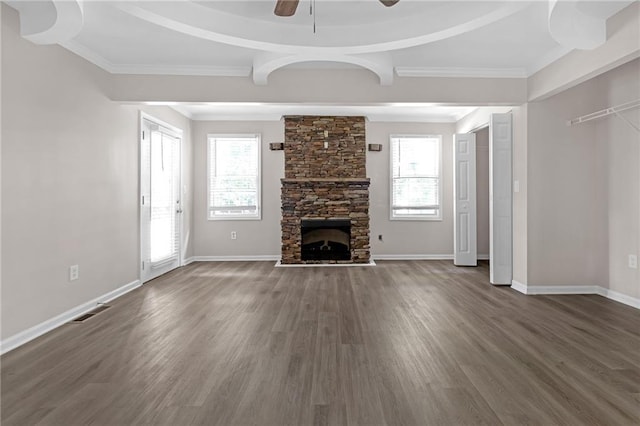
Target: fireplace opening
326,239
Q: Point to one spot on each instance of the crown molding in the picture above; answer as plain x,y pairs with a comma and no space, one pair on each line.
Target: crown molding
461,72
236,117
547,59
245,71
185,114
88,54
98,60
377,117
212,71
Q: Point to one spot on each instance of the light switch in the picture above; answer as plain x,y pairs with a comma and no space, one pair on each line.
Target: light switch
516,186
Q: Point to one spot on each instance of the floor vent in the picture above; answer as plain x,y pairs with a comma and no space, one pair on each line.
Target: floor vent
100,309
81,318
88,315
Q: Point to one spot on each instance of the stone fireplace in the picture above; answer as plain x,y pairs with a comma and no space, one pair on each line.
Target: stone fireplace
325,191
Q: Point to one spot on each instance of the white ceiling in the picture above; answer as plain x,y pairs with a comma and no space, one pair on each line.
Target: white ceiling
414,38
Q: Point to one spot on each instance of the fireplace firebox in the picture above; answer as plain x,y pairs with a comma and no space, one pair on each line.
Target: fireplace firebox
325,239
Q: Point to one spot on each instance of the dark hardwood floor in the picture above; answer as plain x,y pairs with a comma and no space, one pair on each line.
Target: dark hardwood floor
402,343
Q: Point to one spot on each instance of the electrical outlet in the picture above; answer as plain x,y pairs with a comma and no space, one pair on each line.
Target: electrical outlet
234,235
633,261
74,272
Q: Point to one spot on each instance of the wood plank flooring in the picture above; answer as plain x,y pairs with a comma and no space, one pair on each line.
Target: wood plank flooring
401,343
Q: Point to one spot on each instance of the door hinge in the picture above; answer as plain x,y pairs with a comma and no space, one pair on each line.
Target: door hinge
143,134
143,265
143,200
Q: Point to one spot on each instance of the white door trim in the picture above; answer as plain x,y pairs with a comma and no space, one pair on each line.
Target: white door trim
177,133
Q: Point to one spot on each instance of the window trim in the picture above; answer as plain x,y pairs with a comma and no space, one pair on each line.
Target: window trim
416,217
258,214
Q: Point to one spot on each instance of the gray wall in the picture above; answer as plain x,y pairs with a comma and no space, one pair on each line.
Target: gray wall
399,237
69,181
567,196
584,187
262,238
620,145
254,237
520,198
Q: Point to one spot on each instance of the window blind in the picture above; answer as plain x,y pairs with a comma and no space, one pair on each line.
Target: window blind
164,197
415,186
234,176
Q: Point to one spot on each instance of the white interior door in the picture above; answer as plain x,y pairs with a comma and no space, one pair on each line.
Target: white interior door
500,196
160,203
464,188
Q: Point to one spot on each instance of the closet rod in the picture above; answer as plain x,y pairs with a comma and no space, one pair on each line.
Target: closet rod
605,112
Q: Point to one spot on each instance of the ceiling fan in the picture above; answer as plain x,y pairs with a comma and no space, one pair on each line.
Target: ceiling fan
288,7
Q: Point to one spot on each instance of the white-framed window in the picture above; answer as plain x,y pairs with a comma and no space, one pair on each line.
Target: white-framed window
416,177
233,177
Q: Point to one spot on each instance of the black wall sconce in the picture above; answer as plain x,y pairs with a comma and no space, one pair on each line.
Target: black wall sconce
276,146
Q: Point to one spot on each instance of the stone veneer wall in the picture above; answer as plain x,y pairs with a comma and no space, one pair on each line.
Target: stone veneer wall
305,154
325,183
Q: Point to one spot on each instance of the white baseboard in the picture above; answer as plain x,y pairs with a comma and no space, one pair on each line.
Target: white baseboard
412,256
619,297
421,256
25,336
593,289
562,289
518,286
256,258
269,257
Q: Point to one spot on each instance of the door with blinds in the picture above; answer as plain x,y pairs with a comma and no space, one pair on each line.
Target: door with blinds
160,201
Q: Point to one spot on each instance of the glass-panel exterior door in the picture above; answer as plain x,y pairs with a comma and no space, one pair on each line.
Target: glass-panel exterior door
160,203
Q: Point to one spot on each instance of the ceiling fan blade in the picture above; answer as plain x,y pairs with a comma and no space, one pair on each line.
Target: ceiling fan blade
389,3
286,7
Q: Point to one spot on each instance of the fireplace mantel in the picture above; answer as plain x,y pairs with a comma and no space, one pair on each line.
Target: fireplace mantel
361,181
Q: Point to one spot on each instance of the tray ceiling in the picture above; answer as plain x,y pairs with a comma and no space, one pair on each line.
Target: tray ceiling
244,38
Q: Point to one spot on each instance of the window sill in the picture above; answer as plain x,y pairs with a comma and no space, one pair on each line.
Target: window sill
228,218
416,219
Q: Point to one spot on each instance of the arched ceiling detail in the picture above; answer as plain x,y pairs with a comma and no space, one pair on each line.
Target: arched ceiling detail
573,28
482,38
50,21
